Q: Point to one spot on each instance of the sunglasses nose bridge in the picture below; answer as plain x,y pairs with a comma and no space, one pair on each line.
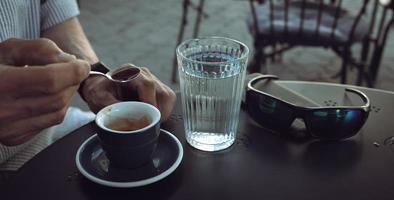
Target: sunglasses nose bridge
300,120
300,112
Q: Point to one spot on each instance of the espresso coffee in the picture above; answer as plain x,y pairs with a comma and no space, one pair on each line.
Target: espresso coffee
125,74
128,124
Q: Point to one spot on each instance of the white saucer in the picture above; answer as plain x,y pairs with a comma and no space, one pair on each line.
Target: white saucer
94,165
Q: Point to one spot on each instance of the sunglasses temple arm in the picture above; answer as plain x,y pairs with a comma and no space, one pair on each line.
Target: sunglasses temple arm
257,78
364,97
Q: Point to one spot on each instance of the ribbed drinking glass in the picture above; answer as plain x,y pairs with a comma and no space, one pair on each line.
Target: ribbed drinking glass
211,73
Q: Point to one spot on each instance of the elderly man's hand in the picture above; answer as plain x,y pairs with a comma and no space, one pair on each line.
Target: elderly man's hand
36,96
100,92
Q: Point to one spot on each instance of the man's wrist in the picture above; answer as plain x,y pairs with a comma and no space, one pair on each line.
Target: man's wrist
98,67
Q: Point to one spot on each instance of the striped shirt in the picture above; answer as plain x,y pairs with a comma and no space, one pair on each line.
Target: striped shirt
27,19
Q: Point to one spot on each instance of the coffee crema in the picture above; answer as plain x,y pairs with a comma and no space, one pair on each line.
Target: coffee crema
128,124
125,74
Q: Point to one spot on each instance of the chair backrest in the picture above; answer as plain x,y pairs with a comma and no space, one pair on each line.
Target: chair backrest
380,34
375,17
327,19
380,22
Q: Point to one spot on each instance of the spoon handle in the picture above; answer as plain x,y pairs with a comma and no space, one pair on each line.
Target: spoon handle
97,73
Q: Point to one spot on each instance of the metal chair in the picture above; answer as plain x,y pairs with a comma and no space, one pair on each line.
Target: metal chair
284,24
379,41
200,13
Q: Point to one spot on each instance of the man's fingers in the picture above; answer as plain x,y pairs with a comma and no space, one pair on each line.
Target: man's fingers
40,52
109,99
166,99
47,79
99,92
19,139
31,125
146,87
61,75
105,100
151,89
32,106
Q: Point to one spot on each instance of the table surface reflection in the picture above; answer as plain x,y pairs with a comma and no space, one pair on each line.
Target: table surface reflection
260,165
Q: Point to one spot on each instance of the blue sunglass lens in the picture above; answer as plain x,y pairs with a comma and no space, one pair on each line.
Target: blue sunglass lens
335,123
269,112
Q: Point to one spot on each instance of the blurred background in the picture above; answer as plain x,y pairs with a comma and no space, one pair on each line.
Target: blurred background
144,32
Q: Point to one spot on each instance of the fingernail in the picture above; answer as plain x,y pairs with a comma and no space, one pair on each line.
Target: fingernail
65,57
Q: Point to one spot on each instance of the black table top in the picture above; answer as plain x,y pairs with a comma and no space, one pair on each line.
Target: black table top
260,165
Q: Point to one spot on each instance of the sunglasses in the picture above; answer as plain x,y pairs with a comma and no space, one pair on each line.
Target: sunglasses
331,123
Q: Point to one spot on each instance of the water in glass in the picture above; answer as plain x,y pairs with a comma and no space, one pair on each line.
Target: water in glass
211,83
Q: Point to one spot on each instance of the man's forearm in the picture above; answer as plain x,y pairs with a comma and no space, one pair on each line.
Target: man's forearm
70,37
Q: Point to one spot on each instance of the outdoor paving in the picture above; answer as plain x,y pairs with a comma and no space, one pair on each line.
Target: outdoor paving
144,32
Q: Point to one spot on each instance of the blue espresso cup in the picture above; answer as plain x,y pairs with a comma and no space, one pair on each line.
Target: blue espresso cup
128,132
